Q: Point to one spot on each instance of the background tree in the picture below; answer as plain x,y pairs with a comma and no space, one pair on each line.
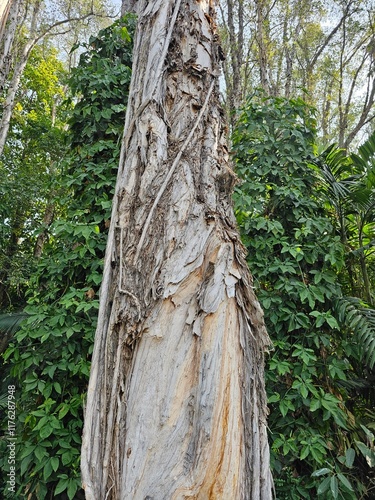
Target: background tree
319,51
31,159
32,22
178,323
9,12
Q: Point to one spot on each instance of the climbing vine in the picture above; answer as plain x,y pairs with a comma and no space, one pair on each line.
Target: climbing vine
317,434
50,355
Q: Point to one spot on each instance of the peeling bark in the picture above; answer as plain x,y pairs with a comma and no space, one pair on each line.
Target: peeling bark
176,404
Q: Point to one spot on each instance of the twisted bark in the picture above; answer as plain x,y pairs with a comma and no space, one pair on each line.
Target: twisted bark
176,405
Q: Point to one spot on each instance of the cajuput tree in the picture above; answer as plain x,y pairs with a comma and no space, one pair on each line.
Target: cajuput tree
176,404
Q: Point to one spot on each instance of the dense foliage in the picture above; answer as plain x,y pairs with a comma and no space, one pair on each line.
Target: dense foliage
49,357
307,220
30,162
318,432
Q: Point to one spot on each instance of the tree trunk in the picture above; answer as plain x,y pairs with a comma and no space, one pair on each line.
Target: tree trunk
8,26
49,214
128,6
233,77
261,38
176,405
5,7
9,102
18,70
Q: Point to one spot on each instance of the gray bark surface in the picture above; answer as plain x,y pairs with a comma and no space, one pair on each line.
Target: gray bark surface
9,12
176,405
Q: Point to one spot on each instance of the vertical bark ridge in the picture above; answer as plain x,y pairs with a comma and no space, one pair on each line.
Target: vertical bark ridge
176,403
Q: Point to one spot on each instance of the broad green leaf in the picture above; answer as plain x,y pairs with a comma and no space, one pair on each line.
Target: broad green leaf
72,488
61,486
334,487
345,481
324,485
47,471
321,472
55,463
315,405
274,398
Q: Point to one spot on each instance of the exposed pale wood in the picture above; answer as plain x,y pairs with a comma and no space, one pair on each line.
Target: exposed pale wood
176,404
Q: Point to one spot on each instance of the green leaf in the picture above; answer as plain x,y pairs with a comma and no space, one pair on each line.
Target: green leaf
47,471
274,398
61,486
63,411
40,452
324,485
334,487
286,405
332,322
54,463
72,488
304,453
46,431
315,405
27,451
321,472
345,481
57,387
25,464
366,452
66,457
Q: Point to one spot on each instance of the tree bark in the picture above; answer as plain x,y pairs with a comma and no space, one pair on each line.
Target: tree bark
261,38
176,405
49,214
8,26
235,92
128,6
4,13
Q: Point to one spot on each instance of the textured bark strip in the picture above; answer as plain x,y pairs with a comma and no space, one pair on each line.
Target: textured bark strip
176,404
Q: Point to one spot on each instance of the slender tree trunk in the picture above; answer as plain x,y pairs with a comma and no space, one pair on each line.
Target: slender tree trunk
18,70
9,102
362,260
127,6
176,405
43,235
8,26
261,39
236,52
5,6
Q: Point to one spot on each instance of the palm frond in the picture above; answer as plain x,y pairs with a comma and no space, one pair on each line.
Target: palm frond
365,160
366,152
355,316
336,172
363,249
9,324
